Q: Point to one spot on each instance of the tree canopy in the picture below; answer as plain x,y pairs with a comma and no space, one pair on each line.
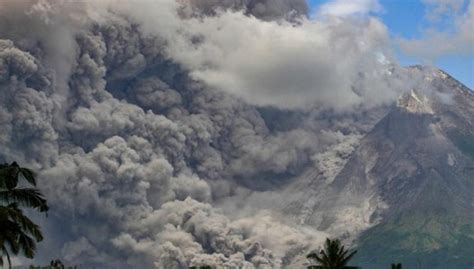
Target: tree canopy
332,256
18,233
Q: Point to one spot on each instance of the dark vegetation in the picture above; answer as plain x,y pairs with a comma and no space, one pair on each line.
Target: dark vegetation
396,266
19,234
332,256
54,264
418,241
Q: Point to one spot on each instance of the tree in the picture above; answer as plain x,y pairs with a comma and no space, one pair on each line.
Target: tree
396,266
333,256
54,264
18,233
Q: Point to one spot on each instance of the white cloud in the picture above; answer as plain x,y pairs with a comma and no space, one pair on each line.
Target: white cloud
332,63
269,63
436,9
343,8
435,43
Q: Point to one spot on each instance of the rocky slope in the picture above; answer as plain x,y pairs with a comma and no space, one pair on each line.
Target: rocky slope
419,161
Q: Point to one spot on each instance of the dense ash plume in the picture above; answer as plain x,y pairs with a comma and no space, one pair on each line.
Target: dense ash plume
262,9
143,146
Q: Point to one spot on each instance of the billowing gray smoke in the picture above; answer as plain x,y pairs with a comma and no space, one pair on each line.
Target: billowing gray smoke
149,134
263,9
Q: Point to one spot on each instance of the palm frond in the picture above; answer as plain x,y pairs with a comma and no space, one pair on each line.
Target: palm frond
18,233
9,236
27,245
25,223
5,251
28,175
312,255
27,197
333,255
348,257
9,177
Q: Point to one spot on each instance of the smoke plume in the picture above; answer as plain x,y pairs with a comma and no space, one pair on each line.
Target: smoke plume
171,133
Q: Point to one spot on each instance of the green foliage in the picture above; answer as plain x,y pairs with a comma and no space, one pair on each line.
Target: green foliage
54,264
11,193
396,266
333,256
18,233
436,242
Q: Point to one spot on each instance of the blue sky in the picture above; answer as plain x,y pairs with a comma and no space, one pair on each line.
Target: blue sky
409,19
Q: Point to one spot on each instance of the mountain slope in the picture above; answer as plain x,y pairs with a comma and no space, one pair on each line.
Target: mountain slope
419,160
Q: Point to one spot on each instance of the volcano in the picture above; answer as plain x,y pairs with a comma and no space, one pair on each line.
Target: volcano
419,160
235,134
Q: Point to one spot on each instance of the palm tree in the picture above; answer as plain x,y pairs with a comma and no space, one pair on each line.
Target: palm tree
54,264
396,266
17,232
333,256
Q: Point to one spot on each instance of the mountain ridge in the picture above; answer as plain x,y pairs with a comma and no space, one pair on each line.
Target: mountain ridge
415,158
